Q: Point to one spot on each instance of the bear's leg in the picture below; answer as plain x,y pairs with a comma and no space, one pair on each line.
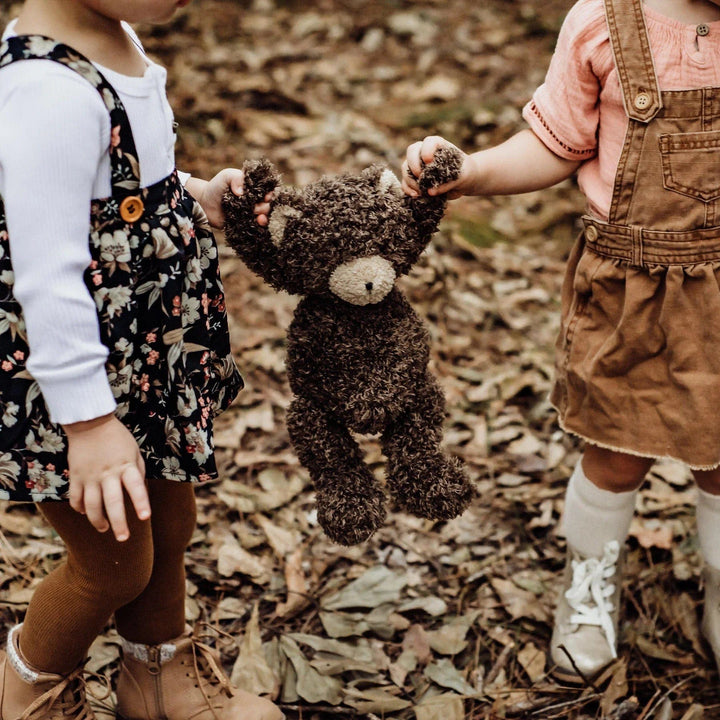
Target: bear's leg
350,501
422,479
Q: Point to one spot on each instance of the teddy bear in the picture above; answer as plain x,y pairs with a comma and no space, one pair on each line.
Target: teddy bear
357,353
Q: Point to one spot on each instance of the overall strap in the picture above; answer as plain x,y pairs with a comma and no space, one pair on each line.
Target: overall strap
633,59
125,170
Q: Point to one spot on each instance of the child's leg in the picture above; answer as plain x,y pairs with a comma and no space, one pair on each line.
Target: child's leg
158,613
708,514
158,652
599,505
708,524
600,499
42,667
72,605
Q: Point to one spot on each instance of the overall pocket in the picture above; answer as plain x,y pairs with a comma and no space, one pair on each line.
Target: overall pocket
691,163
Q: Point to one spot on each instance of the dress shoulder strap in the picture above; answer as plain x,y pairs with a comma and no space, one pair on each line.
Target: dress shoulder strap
633,59
125,170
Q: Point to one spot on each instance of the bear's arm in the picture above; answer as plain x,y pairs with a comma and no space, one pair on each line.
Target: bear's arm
252,242
428,210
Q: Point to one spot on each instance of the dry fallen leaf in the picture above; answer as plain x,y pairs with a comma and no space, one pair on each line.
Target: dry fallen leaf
441,707
310,684
297,587
518,602
251,671
532,660
652,533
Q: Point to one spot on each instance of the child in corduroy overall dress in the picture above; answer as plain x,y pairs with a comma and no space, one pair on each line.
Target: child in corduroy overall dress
631,101
114,359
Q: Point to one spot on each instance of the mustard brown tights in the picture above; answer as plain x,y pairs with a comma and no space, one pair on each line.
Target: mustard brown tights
141,580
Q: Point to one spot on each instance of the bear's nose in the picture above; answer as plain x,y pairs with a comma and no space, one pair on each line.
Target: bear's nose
369,286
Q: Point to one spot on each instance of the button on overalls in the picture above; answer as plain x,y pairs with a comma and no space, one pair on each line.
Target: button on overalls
638,364
155,281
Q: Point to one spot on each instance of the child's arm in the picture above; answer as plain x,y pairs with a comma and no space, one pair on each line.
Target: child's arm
55,133
209,194
521,164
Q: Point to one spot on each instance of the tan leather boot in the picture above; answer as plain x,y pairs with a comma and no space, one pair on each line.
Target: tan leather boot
586,619
710,626
182,680
26,694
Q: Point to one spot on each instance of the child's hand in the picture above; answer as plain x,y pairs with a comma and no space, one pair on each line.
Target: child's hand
422,153
104,458
209,194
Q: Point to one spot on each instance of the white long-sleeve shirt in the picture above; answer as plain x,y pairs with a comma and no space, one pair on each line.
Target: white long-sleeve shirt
54,140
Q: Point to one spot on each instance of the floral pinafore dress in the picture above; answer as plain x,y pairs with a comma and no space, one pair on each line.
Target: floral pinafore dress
155,280
638,364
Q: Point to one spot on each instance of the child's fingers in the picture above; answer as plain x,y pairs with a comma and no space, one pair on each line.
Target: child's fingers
409,182
133,480
235,180
262,210
75,496
413,161
428,147
94,509
115,508
444,188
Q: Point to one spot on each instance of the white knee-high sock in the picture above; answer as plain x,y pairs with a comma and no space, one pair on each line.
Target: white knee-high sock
708,525
593,516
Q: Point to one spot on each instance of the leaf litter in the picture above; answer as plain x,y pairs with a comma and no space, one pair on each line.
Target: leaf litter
426,621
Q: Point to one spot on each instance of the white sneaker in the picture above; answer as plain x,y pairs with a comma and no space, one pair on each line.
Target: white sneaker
586,619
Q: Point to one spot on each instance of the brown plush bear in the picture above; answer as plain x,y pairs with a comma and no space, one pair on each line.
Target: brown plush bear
357,353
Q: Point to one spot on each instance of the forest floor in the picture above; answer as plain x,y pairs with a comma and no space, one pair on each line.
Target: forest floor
434,621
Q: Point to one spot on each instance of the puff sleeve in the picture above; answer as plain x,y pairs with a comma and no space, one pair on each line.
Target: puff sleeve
564,110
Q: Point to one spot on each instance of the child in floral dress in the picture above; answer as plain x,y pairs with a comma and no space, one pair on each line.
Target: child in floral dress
632,102
114,360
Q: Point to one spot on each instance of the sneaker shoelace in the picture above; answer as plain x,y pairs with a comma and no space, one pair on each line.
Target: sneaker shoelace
67,699
590,592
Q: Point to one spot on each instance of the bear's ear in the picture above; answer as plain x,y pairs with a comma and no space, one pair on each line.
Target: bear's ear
384,180
278,220
388,183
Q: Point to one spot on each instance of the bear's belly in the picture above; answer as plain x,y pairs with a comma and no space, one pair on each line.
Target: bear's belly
366,368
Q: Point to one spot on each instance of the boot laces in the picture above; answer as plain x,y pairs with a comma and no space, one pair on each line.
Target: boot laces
211,678
66,699
590,592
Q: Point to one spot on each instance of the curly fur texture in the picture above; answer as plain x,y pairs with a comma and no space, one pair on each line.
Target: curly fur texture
357,353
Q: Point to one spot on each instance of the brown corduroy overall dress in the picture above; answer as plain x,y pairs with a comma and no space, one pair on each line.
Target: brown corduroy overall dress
638,364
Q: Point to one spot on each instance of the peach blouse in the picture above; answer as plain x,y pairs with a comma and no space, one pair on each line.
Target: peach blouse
578,111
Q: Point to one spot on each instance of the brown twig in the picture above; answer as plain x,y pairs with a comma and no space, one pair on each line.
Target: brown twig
651,707
498,665
334,710
585,678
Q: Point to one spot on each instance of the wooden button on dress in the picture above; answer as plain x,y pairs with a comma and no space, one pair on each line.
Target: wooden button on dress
642,100
131,208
